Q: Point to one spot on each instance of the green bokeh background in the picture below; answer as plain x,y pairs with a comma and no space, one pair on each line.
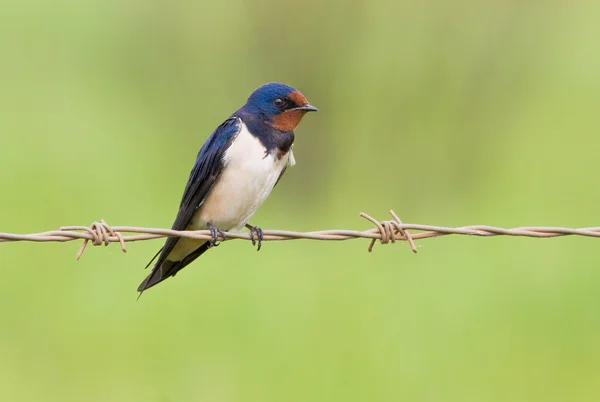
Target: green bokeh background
451,113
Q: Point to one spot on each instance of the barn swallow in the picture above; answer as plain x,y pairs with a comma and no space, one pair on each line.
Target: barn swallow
235,171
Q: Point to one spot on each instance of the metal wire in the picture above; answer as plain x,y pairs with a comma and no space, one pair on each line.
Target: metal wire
385,231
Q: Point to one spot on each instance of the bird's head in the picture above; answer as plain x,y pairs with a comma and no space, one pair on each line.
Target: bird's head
279,105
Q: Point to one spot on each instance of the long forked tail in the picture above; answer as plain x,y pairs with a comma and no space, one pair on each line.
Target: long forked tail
154,278
169,268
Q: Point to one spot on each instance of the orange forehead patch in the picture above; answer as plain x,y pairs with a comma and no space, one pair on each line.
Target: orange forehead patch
298,98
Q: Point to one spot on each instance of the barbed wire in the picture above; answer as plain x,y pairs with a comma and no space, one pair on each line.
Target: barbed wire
385,231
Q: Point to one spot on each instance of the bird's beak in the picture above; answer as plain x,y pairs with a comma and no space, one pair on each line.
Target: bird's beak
306,108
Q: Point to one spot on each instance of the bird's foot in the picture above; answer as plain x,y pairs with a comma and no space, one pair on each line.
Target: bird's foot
256,235
215,232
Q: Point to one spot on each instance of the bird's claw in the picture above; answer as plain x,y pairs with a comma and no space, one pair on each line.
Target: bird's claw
257,236
215,232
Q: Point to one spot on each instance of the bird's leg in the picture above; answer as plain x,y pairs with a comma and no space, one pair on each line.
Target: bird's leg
258,232
215,232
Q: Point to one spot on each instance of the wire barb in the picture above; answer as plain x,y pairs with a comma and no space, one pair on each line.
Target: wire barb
389,231
99,233
407,236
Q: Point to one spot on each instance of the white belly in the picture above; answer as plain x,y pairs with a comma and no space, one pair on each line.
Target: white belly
249,175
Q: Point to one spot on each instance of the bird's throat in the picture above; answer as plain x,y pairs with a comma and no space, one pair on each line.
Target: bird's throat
289,120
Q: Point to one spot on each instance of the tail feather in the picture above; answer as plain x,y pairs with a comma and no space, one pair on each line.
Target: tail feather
156,275
170,268
154,258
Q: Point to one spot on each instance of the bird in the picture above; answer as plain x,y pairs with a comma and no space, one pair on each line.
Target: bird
235,171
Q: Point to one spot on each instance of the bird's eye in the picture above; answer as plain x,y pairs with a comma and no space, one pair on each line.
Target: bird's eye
279,102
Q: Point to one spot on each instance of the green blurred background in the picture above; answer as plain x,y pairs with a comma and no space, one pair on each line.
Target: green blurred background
451,113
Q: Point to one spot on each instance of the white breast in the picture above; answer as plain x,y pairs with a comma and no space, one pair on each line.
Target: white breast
249,175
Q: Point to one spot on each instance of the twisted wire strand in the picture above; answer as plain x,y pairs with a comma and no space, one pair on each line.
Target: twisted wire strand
386,231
